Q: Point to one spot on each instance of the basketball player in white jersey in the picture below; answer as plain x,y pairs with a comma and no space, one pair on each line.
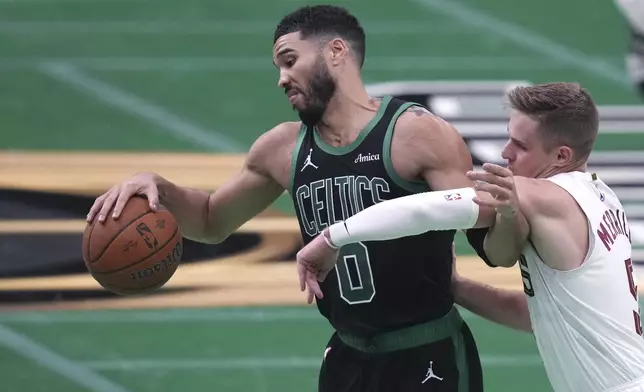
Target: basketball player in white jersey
564,225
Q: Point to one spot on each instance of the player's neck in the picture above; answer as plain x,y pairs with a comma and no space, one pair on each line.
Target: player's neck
348,113
572,167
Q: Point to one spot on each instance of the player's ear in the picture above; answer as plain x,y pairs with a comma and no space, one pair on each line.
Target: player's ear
338,50
565,155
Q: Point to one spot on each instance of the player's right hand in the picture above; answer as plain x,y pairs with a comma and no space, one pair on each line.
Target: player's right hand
144,184
498,181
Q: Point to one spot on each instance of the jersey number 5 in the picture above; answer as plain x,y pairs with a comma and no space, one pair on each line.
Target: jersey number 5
633,287
354,274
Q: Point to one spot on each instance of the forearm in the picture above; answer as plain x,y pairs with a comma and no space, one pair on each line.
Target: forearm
505,307
212,217
410,215
189,207
505,240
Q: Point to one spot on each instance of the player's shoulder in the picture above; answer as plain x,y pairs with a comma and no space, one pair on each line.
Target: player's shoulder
417,118
281,133
277,137
427,137
542,196
272,144
417,124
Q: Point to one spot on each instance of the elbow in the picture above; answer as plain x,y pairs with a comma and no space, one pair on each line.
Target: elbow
504,262
214,240
501,254
211,231
206,238
213,234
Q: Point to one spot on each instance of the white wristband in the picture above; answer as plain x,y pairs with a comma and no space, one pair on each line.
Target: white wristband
328,242
409,215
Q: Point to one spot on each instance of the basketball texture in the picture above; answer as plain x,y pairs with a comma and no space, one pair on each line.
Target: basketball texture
136,253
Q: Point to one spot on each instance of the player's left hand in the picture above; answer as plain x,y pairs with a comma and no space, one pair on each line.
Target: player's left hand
314,262
498,181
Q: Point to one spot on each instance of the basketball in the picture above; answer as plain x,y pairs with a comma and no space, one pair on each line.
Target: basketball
136,253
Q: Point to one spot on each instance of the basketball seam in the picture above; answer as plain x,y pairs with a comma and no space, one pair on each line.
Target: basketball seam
89,243
174,234
122,229
127,291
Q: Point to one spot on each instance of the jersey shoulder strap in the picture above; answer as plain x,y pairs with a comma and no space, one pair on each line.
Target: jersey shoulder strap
396,109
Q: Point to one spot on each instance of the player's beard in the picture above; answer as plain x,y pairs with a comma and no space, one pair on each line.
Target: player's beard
320,91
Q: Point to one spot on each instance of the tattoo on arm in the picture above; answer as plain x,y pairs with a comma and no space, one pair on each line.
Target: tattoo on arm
419,111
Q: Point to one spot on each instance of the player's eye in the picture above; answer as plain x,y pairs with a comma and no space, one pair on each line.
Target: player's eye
289,62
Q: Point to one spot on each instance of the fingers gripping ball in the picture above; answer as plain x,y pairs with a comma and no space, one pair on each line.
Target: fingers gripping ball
135,254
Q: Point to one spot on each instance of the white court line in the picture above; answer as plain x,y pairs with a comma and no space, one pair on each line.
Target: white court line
268,363
132,104
47,358
221,27
256,63
527,38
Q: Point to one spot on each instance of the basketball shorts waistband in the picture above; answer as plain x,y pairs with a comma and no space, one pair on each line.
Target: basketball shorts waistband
414,336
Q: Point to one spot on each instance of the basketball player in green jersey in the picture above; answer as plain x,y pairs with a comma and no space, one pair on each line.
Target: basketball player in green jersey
390,302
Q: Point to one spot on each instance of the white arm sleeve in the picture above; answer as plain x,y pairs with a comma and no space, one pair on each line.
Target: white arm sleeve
409,215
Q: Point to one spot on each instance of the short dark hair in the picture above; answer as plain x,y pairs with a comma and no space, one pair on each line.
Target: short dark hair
325,21
565,112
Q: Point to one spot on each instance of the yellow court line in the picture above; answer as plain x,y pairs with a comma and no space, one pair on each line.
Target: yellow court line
58,226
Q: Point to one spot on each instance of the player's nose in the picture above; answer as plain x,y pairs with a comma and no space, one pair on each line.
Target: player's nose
284,80
505,153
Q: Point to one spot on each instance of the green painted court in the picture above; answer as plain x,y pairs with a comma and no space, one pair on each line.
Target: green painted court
239,349
143,75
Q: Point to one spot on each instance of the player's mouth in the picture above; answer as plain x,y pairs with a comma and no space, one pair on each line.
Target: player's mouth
293,95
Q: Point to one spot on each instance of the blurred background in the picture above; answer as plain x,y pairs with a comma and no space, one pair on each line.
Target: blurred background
92,91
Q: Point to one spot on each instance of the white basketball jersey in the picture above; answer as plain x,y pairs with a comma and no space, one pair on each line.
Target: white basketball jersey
586,321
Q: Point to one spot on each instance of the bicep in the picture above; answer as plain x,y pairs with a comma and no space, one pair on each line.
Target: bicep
445,168
446,161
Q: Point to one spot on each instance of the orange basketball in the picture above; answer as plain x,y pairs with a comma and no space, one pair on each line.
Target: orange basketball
135,254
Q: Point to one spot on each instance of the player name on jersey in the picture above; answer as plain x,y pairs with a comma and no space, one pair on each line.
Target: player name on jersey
351,190
476,109
614,224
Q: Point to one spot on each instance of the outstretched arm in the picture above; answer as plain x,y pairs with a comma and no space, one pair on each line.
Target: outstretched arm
212,217
205,216
428,148
505,307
